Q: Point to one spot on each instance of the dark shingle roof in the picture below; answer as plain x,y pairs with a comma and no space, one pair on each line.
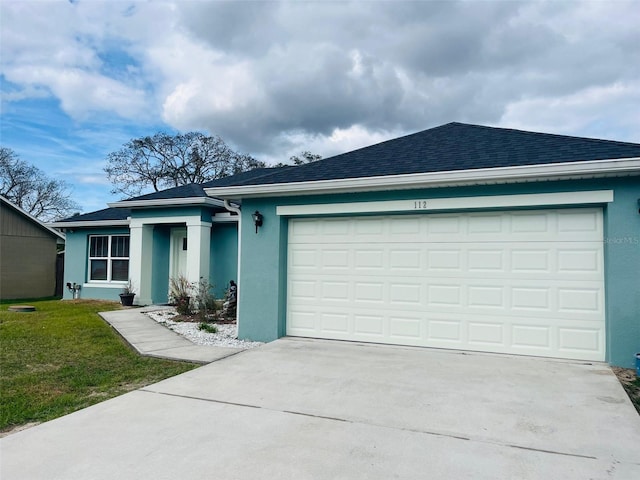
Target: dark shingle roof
450,147
106,214
194,190
255,174
184,191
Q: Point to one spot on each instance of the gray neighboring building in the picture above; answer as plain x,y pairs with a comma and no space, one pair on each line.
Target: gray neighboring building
28,251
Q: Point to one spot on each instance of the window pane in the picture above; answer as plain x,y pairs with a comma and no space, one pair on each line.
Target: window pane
99,246
120,246
98,269
120,270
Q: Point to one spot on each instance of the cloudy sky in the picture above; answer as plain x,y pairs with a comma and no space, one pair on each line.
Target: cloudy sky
82,77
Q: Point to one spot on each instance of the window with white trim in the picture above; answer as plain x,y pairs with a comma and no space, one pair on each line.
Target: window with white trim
109,258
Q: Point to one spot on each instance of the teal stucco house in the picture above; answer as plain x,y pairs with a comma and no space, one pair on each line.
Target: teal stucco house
460,237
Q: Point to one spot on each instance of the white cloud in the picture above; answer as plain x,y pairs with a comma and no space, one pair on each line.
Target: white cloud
275,78
337,141
582,112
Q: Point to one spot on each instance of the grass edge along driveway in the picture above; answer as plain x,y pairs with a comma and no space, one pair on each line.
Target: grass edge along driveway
63,357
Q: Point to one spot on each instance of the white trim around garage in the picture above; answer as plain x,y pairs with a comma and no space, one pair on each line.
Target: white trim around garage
520,282
453,203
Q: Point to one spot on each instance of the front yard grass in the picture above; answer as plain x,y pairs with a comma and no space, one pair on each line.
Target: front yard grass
64,357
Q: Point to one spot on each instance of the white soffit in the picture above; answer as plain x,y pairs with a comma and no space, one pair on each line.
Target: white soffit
480,176
453,203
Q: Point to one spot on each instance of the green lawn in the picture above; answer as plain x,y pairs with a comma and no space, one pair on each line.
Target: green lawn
64,357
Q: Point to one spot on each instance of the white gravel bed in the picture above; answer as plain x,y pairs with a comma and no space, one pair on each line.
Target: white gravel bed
225,337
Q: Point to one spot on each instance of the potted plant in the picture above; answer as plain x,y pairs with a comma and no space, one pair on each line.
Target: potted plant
126,297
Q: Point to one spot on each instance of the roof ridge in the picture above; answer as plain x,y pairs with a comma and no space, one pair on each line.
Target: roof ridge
546,134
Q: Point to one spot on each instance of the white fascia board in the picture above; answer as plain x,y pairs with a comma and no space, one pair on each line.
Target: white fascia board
453,203
89,223
224,217
480,176
188,220
168,202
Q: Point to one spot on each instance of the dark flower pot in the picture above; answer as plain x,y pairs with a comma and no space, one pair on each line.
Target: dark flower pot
127,299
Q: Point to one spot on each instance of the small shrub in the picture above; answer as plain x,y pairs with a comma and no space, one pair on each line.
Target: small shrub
208,327
179,293
205,300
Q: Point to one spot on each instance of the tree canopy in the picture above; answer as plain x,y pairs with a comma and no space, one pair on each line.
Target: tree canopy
301,159
29,188
165,161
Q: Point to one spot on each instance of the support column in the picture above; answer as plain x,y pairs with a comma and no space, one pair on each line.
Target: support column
140,255
198,250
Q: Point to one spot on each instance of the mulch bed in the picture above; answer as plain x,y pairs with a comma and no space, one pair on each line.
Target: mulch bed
631,384
220,320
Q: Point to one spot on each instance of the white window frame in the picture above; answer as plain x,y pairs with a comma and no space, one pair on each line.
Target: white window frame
109,258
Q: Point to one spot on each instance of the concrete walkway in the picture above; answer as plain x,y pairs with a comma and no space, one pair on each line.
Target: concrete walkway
312,409
151,339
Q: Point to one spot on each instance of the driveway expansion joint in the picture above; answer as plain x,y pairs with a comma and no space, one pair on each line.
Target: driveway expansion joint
344,420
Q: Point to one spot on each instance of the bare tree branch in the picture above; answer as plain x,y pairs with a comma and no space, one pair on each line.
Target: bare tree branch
304,157
165,161
29,188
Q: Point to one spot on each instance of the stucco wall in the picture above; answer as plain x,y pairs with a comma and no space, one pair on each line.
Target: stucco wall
224,256
224,260
263,265
76,264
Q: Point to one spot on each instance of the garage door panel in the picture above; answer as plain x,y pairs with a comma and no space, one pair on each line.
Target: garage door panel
337,229
584,260
580,300
335,259
303,258
304,290
486,335
520,282
580,340
532,337
335,323
486,296
406,328
372,325
404,293
583,222
335,291
370,259
583,301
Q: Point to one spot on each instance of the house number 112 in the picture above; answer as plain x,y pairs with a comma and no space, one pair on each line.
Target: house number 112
419,204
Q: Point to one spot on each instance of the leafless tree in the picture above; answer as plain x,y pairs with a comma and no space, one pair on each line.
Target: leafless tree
29,188
164,161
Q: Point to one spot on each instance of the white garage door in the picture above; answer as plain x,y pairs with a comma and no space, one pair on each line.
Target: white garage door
523,282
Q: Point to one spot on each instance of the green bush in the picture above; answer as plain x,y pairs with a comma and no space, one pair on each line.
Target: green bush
208,327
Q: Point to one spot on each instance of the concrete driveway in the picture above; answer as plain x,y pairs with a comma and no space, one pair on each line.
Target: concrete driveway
306,409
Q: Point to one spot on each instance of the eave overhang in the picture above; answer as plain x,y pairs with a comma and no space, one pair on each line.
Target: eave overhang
91,223
168,202
480,176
